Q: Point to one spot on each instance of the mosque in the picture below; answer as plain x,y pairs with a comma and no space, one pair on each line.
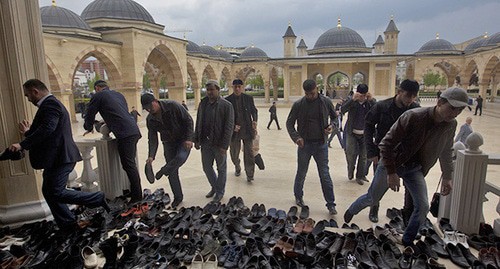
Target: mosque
128,43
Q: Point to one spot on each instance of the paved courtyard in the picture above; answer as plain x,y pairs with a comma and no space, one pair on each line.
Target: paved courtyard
273,186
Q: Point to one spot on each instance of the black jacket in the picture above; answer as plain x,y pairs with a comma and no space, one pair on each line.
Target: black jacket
49,139
378,121
176,125
113,108
298,116
249,113
223,127
352,107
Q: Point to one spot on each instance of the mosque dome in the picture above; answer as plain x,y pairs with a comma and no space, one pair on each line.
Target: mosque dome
193,48
253,52
54,16
438,46
211,52
481,42
225,55
493,40
117,9
339,39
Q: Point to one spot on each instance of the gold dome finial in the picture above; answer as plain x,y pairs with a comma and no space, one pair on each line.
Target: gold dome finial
485,35
54,3
289,23
392,17
437,35
338,23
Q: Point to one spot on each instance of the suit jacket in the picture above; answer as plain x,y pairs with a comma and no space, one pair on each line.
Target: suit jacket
113,108
49,139
223,126
249,113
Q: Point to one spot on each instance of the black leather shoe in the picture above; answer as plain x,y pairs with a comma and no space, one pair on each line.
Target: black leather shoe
150,175
304,213
300,202
217,198
348,216
210,194
373,215
406,260
332,210
456,255
176,203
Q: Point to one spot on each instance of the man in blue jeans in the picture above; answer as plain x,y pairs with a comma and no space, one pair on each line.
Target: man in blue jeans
413,145
175,126
314,115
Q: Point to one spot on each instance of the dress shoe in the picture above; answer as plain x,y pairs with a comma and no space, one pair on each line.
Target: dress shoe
292,212
406,260
210,194
176,203
336,246
217,198
488,258
360,181
249,179
433,264
304,212
350,244
350,175
436,247
237,171
444,225
456,255
467,254
426,249
373,215
332,210
148,170
300,202
348,216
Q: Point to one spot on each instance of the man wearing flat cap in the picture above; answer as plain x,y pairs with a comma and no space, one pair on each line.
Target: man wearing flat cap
214,128
175,126
245,125
412,147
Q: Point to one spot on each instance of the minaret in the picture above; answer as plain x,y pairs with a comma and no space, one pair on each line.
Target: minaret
289,42
379,45
391,38
302,47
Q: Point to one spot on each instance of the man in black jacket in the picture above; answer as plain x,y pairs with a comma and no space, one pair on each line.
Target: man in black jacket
214,128
113,108
50,142
378,121
314,115
273,116
175,126
245,124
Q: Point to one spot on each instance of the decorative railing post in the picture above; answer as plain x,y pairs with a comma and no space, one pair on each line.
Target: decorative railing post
89,179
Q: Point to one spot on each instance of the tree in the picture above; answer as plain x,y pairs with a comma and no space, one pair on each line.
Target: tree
163,83
432,79
91,82
281,82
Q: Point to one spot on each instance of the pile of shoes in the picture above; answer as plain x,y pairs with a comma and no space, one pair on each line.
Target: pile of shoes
150,234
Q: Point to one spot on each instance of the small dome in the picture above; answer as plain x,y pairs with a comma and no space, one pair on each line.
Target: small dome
476,44
438,46
253,52
211,52
54,16
193,48
339,39
493,40
225,55
116,9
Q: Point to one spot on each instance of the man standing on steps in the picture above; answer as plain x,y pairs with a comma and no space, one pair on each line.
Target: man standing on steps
378,121
175,126
314,115
245,125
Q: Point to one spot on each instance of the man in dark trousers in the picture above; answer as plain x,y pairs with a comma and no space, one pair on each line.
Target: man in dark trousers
214,128
355,148
175,126
314,115
479,106
378,121
113,108
273,116
50,142
245,124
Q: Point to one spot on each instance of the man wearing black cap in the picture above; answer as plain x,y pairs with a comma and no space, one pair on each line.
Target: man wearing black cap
245,124
113,108
412,147
378,121
214,128
175,126
50,142
355,148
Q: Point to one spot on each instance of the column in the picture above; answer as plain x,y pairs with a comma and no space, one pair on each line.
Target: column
176,93
286,83
22,57
468,186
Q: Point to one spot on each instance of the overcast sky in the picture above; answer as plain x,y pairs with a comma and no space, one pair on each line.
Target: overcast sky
262,23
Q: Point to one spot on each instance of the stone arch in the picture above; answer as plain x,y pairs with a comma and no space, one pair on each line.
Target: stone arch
490,71
243,72
104,57
209,73
338,84
226,76
470,69
358,78
162,56
273,77
195,80
449,69
55,79
410,72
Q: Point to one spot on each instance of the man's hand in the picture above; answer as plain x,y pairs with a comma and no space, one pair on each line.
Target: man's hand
374,160
15,147
88,132
300,142
356,96
188,144
369,96
197,146
150,160
393,182
254,125
24,126
237,128
328,130
446,186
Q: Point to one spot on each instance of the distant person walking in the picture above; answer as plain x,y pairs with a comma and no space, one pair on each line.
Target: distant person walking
465,131
479,105
135,113
273,116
